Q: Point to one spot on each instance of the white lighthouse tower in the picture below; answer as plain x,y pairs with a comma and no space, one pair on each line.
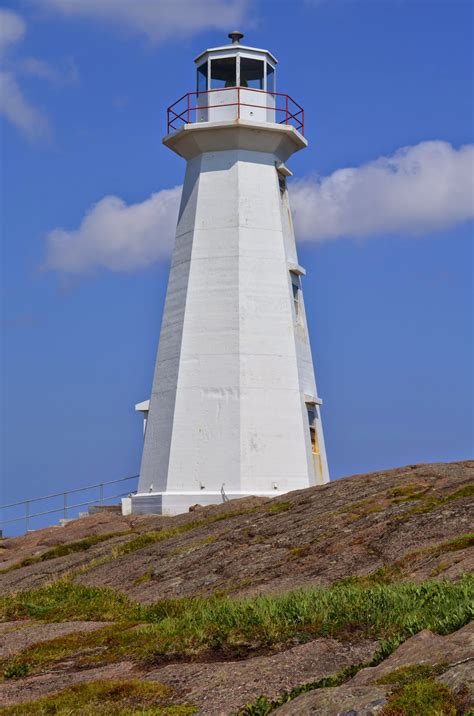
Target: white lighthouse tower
234,409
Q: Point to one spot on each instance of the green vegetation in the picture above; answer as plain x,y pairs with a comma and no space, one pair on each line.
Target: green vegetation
65,601
299,552
263,706
191,546
422,697
15,670
61,550
105,698
146,577
277,507
415,692
432,503
395,571
454,545
186,627
147,538
405,493
406,674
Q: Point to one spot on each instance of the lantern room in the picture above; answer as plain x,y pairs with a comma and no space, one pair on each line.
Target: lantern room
235,81
236,75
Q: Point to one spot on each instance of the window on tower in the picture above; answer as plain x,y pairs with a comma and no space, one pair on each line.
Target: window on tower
223,72
312,417
270,78
296,288
251,73
202,78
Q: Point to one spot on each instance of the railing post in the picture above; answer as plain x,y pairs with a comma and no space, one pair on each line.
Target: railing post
286,109
188,109
101,492
27,515
302,122
65,505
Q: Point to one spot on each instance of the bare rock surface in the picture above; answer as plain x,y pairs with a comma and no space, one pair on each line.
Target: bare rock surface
364,695
17,636
351,527
424,648
337,701
410,522
218,688
19,691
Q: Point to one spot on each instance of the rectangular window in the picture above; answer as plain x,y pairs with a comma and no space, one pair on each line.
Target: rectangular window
270,78
296,288
202,78
312,416
223,73
251,73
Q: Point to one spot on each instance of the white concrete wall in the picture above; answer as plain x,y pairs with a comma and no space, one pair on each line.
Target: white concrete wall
307,379
227,402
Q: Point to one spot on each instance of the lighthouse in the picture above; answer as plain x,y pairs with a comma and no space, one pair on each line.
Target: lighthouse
234,410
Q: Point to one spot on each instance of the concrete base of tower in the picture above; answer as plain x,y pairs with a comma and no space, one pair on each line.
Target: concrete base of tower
176,503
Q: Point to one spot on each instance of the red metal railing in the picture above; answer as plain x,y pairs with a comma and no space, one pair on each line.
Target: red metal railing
185,109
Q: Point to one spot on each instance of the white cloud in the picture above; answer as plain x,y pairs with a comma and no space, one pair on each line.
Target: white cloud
18,110
115,236
13,103
423,188
12,29
66,73
419,189
159,20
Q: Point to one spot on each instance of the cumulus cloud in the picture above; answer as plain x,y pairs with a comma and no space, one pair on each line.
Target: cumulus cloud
420,189
159,20
13,103
117,236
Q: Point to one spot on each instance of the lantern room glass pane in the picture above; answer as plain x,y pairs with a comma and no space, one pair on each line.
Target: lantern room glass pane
251,73
223,72
202,78
270,78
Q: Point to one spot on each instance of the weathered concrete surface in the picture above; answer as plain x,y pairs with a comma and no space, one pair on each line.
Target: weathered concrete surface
228,406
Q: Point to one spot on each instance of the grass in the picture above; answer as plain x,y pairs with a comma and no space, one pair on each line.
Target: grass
391,572
142,540
416,692
432,503
153,537
454,545
190,547
105,698
423,697
183,628
144,578
61,550
277,507
405,493
406,674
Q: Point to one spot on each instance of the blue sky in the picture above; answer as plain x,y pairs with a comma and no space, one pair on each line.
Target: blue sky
389,259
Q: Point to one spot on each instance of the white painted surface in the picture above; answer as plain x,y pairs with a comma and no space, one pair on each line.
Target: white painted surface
234,361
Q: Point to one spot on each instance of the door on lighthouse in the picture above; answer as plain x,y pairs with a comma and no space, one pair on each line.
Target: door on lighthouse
312,418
